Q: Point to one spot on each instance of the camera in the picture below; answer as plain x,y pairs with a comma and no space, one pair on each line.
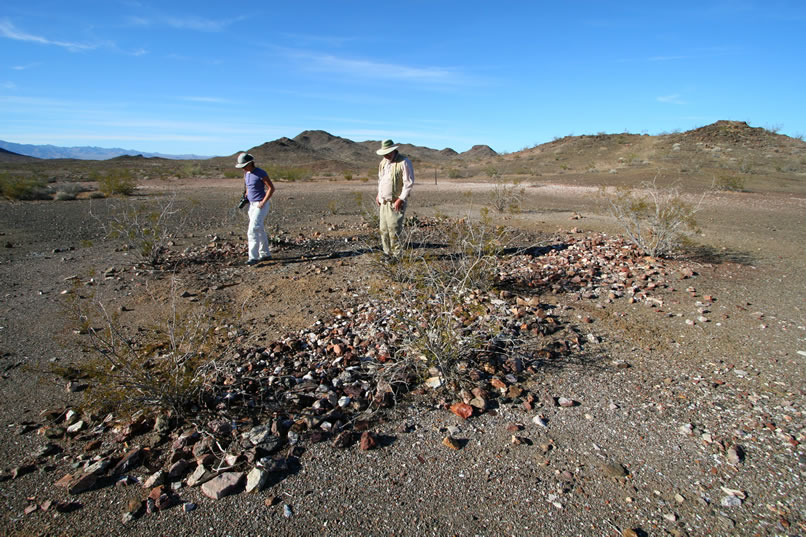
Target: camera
243,202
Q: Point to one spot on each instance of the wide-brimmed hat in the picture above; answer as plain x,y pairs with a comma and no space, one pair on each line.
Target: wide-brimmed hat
387,146
244,160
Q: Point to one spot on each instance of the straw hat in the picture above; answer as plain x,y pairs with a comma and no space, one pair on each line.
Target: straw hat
387,146
244,160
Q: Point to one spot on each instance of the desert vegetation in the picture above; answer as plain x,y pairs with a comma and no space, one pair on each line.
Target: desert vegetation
536,343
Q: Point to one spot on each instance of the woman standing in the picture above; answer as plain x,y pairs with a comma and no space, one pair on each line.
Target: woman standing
259,190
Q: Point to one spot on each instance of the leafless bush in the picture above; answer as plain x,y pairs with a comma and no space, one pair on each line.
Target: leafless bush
443,324
368,209
507,196
656,219
146,229
163,366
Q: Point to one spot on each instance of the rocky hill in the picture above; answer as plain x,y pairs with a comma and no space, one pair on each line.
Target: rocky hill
319,150
761,158
724,145
10,156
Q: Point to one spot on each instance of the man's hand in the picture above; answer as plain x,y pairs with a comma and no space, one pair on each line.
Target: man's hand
398,204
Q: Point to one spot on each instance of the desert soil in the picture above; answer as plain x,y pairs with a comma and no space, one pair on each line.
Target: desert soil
689,413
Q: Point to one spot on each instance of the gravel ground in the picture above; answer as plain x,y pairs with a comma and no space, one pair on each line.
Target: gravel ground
663,393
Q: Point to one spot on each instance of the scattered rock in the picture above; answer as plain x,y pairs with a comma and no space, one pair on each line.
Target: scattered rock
256,480
222,485
462,410
368,441
614,470
735,454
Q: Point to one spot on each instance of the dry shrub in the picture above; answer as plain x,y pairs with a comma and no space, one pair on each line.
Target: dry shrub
15,187
729,183
438,314
115,181
656,219
507,196
163,366
147,228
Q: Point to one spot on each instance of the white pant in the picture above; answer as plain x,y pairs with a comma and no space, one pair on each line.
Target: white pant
256,234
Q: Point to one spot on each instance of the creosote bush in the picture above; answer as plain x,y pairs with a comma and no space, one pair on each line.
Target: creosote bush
115,181
288,173
161,367
14,187
656,219
730,183
146,229
507,196
442,322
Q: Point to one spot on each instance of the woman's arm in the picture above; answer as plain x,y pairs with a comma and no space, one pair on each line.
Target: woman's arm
269,191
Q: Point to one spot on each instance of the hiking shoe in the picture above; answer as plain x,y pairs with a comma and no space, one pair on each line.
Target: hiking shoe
252,262
265,258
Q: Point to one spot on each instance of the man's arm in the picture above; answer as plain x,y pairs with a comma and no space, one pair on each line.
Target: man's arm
408,183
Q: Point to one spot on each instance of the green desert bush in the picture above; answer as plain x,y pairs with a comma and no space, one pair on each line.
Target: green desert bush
440,320
289,173
162,366
145,228
730,183
656,219
15,187
116,181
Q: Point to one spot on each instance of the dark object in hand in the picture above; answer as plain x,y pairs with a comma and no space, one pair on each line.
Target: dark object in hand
243,202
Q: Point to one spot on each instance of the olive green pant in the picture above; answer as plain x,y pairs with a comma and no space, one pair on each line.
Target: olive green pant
391,224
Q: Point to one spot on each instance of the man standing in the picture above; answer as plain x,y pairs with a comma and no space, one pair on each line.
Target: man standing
395,180
259,190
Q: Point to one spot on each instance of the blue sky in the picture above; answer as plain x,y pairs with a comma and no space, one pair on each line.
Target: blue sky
213,78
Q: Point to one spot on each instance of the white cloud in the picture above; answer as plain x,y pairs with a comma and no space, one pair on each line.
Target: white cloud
25,67
8,85
201,99
8,30
670,99
368,69
198,24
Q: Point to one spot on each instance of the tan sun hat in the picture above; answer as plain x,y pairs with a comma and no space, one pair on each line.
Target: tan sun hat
387,146
244,160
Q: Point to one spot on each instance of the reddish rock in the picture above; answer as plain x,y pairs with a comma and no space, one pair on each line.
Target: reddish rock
463,410
343,439
222,485
130,461
498,383
368,441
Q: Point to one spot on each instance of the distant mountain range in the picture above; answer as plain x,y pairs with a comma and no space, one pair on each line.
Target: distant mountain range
84,152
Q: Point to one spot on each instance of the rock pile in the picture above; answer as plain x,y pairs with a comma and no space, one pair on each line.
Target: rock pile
261,405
